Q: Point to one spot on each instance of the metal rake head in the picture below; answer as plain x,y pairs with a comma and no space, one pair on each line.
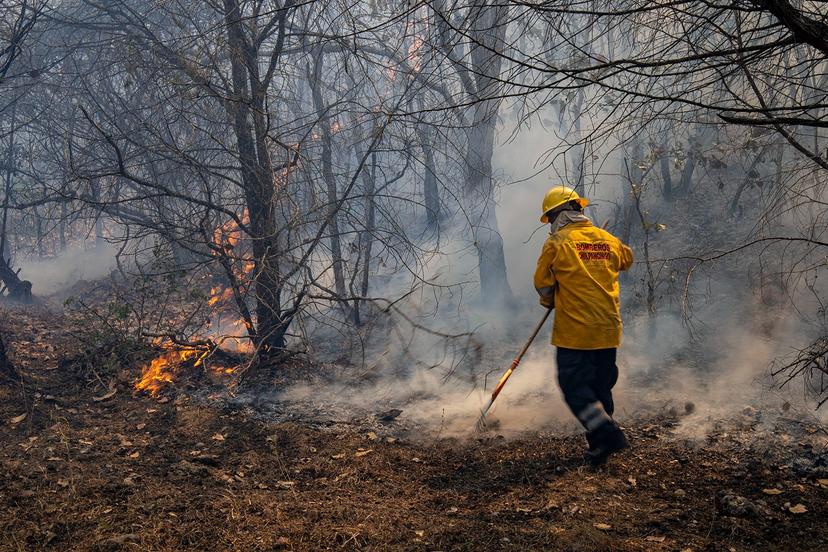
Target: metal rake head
481,425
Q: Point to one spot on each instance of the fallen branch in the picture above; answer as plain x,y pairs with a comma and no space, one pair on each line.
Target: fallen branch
811,364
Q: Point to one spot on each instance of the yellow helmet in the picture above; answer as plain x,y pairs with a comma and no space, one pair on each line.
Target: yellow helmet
559,195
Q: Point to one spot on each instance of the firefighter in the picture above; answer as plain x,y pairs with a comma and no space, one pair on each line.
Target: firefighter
577,274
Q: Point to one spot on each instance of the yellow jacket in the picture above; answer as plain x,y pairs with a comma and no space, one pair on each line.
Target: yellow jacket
577,273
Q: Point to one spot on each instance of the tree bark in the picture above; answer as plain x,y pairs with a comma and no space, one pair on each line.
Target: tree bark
489,31
578,149
804,29
19,290
8,186
324,123
41,253
257,177
487,239
62,227
366,236
431,193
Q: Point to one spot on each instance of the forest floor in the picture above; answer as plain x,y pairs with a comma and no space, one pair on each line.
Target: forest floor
87,469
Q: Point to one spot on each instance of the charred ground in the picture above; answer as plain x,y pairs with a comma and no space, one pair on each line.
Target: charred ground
86,468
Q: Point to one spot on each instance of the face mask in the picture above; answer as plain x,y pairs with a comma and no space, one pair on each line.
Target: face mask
568,217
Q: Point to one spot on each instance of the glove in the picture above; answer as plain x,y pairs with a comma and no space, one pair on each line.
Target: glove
548,301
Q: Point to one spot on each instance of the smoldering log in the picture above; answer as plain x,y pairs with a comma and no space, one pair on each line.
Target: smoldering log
19,290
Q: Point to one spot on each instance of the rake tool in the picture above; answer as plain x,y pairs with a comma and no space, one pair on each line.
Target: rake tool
481,423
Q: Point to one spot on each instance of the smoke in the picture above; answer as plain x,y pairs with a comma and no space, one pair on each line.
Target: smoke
664,376
718,372
432,406
56,274
440,383
705,366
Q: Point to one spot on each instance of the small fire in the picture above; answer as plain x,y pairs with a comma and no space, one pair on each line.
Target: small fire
232,245
223,300
227,235
161,370
227,328
219,295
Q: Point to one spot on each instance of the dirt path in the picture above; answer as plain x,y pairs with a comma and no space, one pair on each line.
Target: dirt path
130,473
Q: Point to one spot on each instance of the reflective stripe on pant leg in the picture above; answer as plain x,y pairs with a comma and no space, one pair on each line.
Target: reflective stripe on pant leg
593,416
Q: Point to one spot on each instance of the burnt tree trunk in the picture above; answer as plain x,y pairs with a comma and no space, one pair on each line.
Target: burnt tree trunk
578,150
62,227
38,223
431,194
482,83
489,30
314,78
249,119
19,290
366,236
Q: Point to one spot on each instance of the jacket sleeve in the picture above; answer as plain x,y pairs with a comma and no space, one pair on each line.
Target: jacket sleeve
625,255
544,276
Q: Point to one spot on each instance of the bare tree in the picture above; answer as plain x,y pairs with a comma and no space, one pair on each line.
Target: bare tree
19,18
470,39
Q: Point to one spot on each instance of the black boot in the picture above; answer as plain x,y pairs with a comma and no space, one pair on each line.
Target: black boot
592,443
603,442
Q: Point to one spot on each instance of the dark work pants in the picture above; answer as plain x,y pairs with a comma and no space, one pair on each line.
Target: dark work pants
586,379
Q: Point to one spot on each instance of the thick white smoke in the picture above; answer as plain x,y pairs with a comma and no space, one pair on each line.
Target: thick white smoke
56,274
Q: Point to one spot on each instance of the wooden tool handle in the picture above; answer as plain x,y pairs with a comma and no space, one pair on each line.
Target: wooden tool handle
531,338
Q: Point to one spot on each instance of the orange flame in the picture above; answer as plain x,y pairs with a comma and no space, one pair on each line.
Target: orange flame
219,295
222,300
161,370
227,235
